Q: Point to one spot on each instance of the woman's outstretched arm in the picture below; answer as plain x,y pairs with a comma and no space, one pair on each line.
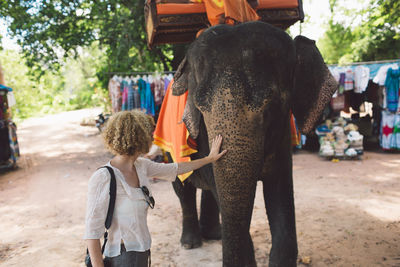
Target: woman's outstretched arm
184,167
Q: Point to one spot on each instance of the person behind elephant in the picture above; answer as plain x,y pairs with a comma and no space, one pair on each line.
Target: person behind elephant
128,135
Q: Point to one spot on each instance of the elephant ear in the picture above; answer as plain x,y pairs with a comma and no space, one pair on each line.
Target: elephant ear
183,81
180,84
314,85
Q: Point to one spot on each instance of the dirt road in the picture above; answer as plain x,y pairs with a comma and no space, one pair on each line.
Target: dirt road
347,213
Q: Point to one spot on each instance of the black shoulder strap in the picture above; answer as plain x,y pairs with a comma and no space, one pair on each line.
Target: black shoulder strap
113,193
110,211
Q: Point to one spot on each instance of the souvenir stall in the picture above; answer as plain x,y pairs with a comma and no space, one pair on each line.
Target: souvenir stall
364,111
9,150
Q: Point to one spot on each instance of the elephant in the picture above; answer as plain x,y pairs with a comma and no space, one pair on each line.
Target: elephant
243,82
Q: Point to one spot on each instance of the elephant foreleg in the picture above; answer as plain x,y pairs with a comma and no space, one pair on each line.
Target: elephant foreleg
209,216
278,197
191,237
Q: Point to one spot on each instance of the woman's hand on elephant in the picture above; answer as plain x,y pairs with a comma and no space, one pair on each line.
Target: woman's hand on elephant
215,148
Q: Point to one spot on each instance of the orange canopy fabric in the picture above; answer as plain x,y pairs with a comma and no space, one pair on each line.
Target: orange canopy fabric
171,133
180,8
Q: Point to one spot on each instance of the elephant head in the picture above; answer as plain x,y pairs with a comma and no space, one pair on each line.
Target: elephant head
243,81
312,88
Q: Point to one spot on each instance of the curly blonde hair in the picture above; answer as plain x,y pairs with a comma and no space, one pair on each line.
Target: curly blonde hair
129,132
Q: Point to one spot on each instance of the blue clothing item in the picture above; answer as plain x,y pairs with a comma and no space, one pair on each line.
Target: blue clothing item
131,100
136,97
149,100
392,89
142,92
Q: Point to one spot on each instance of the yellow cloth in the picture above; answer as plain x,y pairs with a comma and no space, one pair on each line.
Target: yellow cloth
296,135
171,133
234,10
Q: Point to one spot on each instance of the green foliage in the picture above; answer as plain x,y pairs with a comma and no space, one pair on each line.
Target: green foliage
49,31
378,37
335,43
74,85
372,34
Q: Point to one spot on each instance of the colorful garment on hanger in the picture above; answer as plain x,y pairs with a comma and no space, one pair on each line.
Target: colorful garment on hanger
131,99
387,127
115,95
392,89
124,87
149,100
171,133
395,141
349,80
158,91
166,84
361,78
380,77
234,11
136,96
142,92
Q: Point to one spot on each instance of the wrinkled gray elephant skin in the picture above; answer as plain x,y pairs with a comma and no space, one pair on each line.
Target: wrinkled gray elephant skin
243,82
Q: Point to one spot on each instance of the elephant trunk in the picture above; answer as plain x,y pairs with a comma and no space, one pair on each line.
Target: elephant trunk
236,175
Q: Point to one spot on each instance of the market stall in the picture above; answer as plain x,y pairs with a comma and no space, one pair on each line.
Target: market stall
364,113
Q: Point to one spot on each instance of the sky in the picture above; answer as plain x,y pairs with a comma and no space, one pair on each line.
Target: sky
7,43
318,10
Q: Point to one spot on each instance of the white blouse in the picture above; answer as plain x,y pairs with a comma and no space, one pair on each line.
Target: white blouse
129,223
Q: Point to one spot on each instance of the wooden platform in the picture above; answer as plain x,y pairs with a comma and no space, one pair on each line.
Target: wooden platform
177,21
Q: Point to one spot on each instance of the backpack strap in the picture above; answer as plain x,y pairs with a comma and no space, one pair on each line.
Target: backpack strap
111,205
113,193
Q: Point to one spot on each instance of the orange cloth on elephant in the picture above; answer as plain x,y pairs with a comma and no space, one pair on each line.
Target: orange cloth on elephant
234,10
296,135
171,133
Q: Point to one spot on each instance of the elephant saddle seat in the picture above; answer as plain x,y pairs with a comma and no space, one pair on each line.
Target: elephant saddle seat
178,21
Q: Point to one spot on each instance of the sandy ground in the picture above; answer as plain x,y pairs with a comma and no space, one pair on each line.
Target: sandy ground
347,213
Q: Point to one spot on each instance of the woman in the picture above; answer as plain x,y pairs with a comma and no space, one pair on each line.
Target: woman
128,135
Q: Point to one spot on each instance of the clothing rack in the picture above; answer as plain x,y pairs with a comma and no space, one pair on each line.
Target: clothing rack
366,63
140,73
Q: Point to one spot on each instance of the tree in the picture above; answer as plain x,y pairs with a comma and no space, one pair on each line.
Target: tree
49,31
378,37
336,42
373,33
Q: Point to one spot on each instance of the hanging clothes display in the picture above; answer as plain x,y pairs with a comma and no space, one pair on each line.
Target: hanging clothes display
145,92
377,83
